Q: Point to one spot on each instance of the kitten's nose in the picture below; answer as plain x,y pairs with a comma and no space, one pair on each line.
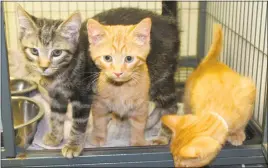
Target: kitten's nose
118,74
43,68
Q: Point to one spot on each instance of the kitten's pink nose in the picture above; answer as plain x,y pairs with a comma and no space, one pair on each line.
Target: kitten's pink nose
118,74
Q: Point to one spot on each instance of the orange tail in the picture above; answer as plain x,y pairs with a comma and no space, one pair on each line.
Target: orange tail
216,46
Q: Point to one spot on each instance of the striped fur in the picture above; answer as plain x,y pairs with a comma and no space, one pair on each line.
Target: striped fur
47,36
63,74
161,61
126,95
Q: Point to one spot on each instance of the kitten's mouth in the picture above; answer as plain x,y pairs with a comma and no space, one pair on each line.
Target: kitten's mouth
47,72
118,80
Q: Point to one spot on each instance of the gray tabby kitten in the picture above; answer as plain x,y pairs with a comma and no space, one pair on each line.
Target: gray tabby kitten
50,46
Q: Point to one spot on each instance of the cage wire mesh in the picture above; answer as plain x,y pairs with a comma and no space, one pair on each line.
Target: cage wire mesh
244,25
187,18
245,43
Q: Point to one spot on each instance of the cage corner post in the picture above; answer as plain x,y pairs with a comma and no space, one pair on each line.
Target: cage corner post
201,29
9,149
265,136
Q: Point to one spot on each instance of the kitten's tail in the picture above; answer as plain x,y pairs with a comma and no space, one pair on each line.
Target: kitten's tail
216,46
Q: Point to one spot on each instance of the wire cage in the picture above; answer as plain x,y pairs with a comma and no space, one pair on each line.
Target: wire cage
245,50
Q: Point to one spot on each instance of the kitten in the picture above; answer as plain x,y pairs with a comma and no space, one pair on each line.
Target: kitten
51,48
161,61
123,83
218,102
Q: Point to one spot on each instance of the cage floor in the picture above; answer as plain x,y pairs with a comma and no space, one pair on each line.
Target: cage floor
241,166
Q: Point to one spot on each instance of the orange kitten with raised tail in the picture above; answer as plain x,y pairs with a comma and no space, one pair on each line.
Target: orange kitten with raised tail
120,51
218,105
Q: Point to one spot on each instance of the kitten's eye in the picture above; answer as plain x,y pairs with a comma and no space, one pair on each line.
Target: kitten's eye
108,58
129,59
56,53
34,51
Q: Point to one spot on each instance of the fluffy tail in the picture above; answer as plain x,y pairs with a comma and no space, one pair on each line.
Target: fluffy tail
216,46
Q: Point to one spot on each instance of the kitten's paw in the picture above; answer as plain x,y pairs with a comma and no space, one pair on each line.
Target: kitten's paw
159,141
98,141
140,143
51,140
176,161
237,139
71,151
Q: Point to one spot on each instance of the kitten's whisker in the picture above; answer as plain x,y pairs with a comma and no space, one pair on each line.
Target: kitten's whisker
134,78
93,76
94,79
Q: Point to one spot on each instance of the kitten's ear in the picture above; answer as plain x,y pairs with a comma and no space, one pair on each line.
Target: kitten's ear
71,26
26,24
95,31
142,31
200,147
171,121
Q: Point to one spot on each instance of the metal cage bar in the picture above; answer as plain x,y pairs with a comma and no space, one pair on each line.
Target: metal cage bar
202,20
265,120
6,109
265,138
170,8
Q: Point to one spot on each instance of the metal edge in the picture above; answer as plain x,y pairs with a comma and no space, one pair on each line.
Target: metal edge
95,157
265,138
131,156
247,154
153,164
239,160
6,109
37,117
32,88
265,133
241,151
265,152
188,61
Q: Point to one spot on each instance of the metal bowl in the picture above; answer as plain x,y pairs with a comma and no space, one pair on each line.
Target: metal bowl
22,87
26,115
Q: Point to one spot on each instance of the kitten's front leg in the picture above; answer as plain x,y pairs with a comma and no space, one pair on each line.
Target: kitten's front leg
100,122
56,121
76,140
138,121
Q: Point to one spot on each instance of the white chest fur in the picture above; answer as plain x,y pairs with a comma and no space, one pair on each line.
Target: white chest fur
124,100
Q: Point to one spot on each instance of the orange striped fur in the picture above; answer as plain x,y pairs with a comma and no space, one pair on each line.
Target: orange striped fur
126,95
218,105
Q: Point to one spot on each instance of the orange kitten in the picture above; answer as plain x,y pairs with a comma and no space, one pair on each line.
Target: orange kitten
218,103
123,83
